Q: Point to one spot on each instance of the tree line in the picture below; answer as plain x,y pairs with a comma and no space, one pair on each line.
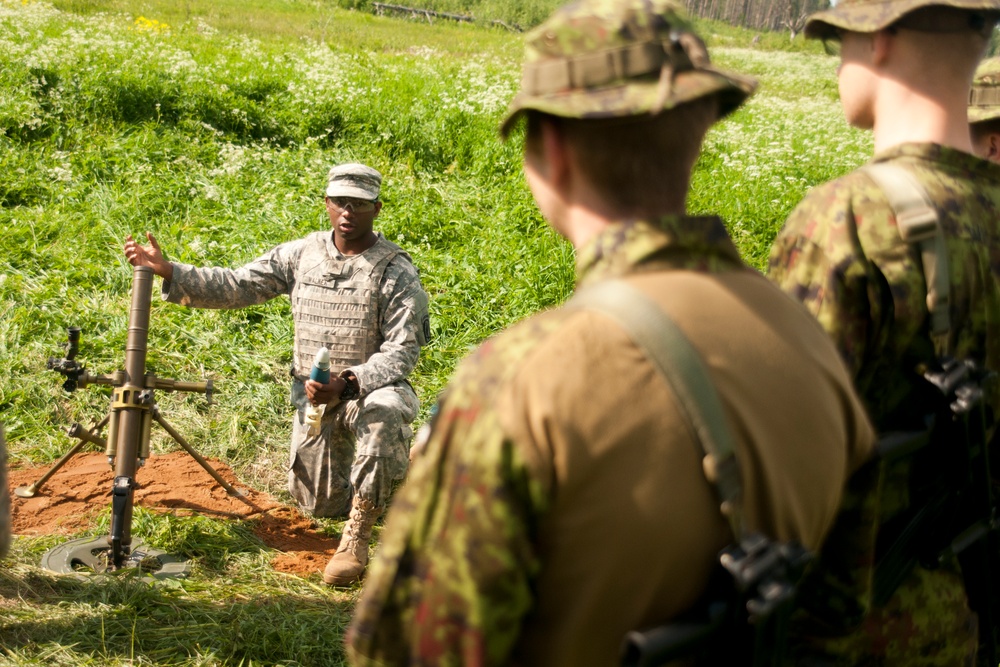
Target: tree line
759,14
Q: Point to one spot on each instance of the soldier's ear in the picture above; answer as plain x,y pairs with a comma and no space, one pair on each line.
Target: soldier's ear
378,208
555,153
994,152
883,43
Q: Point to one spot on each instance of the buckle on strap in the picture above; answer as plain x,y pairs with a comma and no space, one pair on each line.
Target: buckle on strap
917,224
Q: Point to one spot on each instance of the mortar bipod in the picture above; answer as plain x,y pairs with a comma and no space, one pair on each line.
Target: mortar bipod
129,420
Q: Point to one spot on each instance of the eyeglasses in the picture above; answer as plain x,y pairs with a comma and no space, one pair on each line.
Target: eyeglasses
356,205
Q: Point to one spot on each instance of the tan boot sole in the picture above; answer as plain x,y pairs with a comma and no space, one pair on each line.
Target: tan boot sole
332,580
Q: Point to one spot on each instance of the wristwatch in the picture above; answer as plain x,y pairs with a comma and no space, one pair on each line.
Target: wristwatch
351,389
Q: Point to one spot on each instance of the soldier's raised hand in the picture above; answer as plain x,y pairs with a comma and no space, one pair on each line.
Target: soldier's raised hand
151,256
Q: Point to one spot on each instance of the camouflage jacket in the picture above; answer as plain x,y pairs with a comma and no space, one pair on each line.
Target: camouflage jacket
402,302
518,536
841,255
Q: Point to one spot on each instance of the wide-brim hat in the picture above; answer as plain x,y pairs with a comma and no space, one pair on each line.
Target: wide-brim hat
353,180
601,59
984,98
874,15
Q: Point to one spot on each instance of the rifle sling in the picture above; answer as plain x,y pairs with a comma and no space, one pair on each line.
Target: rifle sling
918,224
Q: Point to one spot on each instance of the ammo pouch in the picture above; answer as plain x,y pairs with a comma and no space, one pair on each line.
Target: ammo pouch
746,608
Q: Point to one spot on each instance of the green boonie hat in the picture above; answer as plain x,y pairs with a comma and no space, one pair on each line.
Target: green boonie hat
984,99
619,58
874,15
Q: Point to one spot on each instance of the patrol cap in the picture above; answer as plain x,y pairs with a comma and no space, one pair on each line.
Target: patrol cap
353,180
984,99
874,15
617,58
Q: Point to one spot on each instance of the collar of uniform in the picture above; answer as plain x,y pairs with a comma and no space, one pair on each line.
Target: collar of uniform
692,242
938,154
334,252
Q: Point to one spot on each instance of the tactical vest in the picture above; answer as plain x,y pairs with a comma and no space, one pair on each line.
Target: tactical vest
335,302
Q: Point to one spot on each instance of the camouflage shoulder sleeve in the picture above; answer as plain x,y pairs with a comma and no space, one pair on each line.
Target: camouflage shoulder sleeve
405,325
453,577
818,260
270,275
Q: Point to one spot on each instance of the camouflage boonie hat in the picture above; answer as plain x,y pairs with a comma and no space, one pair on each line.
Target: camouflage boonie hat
875,15
619,58
984,99
353,180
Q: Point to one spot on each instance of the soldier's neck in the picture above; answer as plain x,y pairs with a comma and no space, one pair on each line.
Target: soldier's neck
928,112
354,246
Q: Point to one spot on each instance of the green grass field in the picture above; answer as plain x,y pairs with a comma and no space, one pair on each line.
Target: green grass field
213,127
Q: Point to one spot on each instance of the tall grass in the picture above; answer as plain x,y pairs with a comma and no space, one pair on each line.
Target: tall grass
213,127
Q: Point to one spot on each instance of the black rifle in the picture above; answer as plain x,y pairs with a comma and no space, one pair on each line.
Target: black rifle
953,511
744,613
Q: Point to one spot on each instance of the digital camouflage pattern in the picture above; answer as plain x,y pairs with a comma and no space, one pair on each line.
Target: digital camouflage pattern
502,523
402,324
874,15
611,59
353,180
362,448
984,100
840,254
336,304
400,298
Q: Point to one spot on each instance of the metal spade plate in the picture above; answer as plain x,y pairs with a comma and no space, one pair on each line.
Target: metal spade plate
89,556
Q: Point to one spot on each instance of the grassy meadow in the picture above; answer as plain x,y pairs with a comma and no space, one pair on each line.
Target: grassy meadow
212,126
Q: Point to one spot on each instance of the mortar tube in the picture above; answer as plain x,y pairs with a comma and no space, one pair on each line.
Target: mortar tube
131,418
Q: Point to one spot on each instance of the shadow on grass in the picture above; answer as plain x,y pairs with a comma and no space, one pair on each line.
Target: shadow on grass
124,618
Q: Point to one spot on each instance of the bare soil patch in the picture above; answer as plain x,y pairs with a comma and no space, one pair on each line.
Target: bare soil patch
69,501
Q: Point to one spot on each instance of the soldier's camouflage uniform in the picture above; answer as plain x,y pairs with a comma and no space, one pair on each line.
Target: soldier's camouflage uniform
840,254
560,500
370,310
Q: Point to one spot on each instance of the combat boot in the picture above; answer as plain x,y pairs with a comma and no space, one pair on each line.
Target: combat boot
348,564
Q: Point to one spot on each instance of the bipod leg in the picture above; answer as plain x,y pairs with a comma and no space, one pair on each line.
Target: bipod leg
75,431
230,489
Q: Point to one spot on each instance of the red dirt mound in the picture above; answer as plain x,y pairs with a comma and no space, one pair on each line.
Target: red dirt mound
69,501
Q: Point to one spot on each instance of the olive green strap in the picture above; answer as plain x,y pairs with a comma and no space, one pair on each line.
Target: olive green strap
656,334
918,224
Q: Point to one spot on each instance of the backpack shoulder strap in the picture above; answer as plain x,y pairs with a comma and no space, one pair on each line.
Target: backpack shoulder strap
918,223
656,334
